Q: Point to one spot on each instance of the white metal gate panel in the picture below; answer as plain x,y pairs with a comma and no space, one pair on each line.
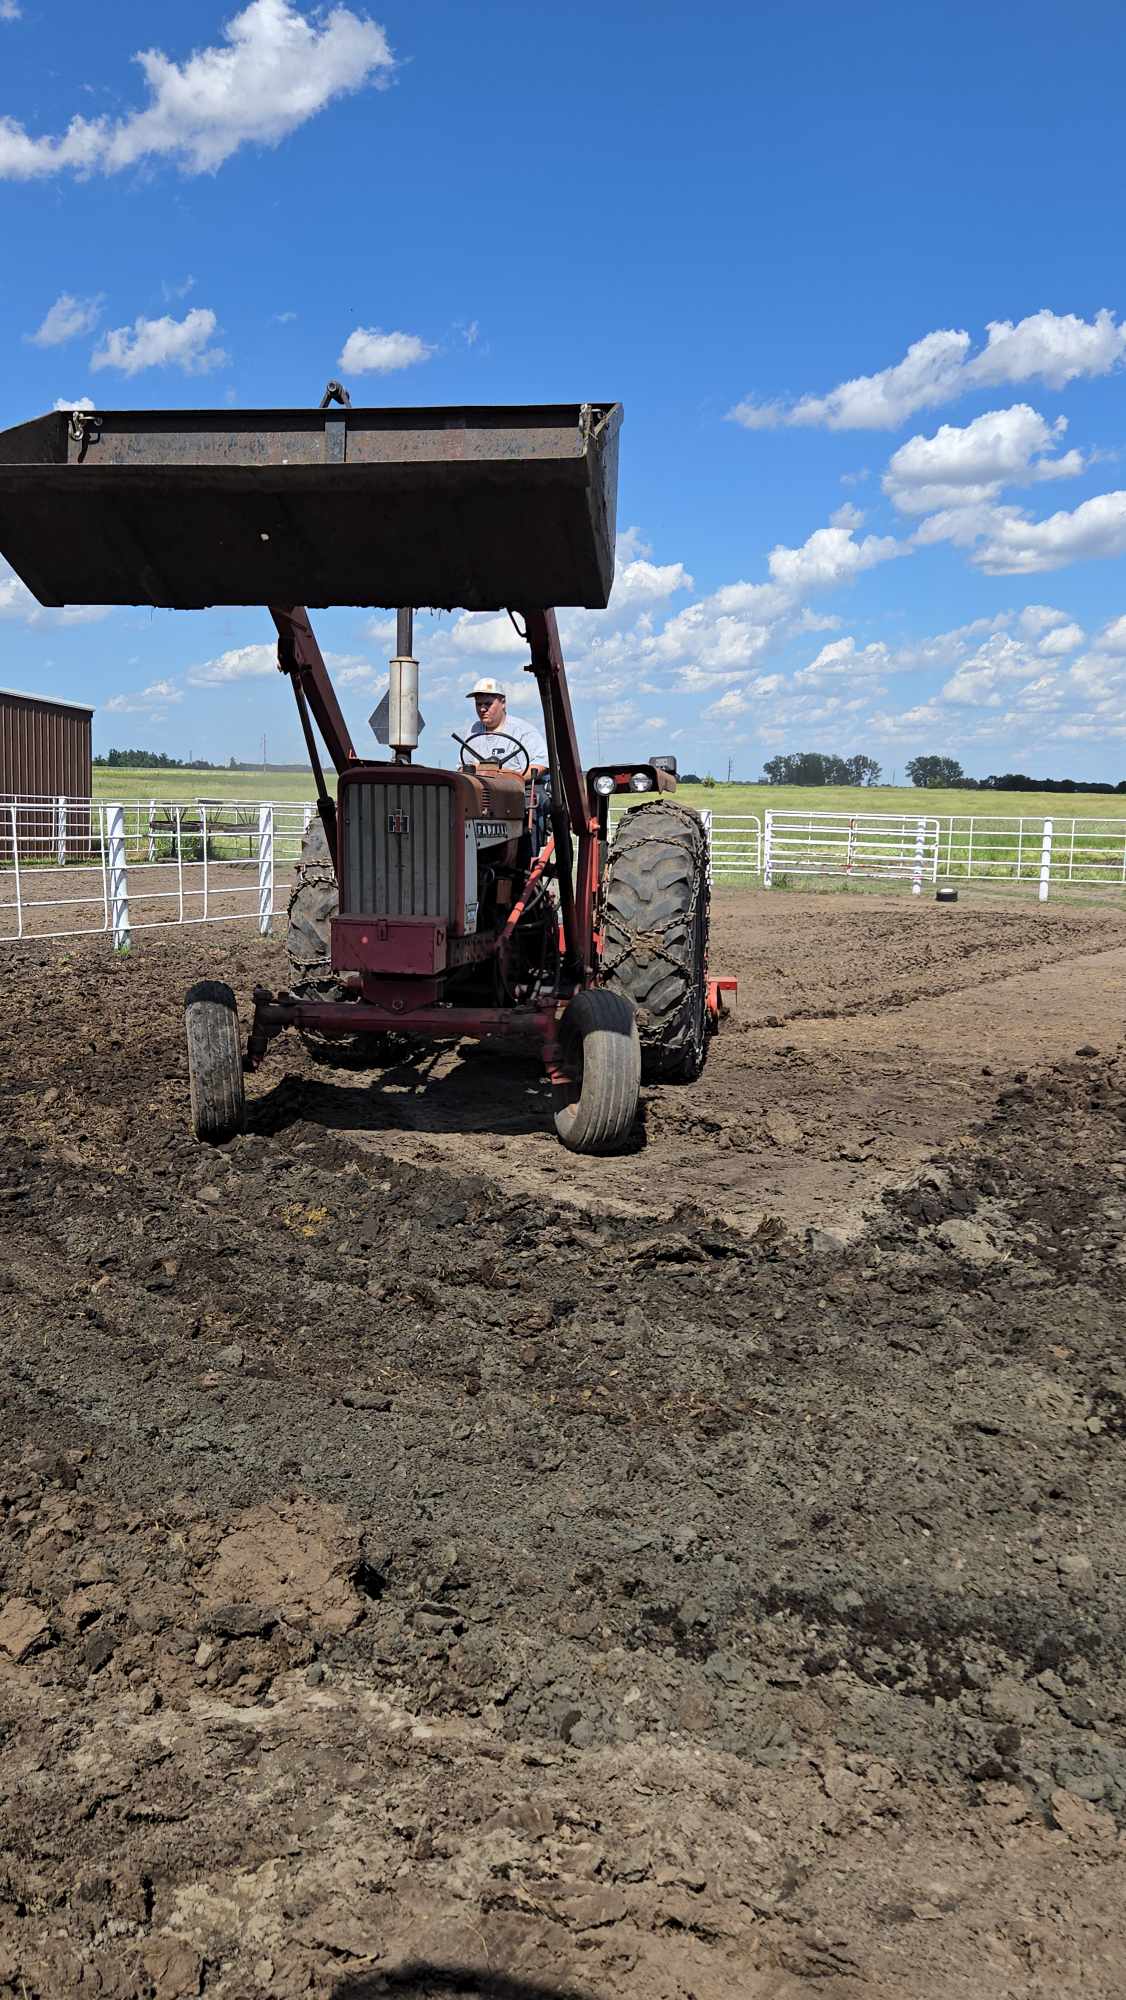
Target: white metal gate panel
82,868
876,847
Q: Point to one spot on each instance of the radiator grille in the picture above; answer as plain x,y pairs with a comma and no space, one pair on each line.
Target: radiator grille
389,874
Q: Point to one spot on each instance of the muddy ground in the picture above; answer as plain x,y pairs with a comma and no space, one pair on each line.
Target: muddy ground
435,1565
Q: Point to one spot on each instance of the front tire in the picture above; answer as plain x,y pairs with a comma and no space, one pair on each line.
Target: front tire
596,1108
215,1073
656,920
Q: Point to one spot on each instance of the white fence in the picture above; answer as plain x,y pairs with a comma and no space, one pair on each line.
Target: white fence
877,847
78,867
81,868
991,849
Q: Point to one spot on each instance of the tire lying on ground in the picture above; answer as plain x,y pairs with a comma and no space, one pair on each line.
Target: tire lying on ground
656,919
214,1061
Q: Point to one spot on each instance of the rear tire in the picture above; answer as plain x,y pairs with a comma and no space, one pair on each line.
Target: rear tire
214,1062
595,1111
314,901
656,909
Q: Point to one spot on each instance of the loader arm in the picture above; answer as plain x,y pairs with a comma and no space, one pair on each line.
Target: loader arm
570,812
301,658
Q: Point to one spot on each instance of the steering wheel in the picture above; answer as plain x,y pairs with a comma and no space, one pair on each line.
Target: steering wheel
492,757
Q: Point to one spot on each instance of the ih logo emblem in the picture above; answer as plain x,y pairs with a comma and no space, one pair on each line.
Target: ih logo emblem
398,822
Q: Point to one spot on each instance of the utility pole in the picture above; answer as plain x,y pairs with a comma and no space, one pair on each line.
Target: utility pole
263,749
730,766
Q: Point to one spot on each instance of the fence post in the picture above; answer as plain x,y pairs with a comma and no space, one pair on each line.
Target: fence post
118,877
767,848
14,811
920,853
265,868
706,816
152,829
60,830
1046,861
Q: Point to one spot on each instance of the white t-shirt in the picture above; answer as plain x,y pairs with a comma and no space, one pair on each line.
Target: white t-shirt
526,733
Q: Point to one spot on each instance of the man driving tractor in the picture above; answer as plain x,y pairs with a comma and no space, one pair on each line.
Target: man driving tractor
493,720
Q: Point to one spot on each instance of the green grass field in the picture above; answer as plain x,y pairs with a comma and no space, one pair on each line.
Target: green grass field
125,785
903,799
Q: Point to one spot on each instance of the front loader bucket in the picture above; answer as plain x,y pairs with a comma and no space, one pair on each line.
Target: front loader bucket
477,508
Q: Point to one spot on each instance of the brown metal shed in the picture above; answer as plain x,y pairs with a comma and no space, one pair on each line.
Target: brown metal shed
44,747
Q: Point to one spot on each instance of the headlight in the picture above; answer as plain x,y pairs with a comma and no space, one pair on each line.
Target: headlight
604,783
641,782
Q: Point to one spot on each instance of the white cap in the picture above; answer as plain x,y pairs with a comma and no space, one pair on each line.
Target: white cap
486,686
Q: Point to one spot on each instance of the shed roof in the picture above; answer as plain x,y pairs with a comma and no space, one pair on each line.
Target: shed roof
45,700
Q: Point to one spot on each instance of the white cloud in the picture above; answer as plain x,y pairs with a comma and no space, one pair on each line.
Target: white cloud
1113,639
1046,346
486,632
844,656
1037,619
9,11
830,556
1063,639
929,373
162,343
278,69
367,351
968,464
1050,347
358,677
734,702
982,679
631,544
16,601
75,403
147,701
926,715
66,318
847,515
639,582
240,664
1016,546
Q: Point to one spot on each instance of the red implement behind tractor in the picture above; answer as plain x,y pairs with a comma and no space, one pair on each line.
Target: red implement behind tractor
430,903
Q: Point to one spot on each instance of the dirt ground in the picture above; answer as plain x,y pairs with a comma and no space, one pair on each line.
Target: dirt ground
434,1565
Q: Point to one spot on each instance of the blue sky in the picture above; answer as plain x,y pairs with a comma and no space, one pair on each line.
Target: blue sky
855,273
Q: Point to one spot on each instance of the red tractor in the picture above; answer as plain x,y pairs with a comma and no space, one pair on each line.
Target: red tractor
431,904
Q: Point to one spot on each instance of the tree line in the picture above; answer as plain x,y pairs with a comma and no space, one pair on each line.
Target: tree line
159,760
933,773
946,773
813,767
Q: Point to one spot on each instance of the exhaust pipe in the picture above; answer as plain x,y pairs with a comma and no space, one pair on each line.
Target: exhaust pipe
402,717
